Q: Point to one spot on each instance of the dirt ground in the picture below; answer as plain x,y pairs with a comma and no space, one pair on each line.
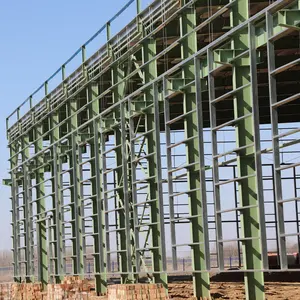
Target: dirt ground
235,290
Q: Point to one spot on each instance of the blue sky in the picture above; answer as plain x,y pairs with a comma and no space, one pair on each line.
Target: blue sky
37,37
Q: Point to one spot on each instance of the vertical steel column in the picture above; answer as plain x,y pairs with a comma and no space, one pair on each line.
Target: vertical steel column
125,251
41,208
152,125
237,217
57,196
296,208
26,207
214,141
81,204
131,125
170,174
51,270
202,209
247,160
257,148
275,143
131,109
31,230
77,238
155,186
127,203
97,192
15,231
191,101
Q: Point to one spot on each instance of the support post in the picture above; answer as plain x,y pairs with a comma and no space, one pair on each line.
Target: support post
246,135
152,123
41,209
191,101
77,241
275,143
14,201
125,244
97,190
26,208
57,197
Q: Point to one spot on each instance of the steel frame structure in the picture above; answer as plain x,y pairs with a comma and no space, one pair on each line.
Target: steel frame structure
144,140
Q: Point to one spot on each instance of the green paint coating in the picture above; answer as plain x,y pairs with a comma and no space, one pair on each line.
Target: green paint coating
188,48
248,194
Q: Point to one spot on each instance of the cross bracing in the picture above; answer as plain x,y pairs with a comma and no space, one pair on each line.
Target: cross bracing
180,135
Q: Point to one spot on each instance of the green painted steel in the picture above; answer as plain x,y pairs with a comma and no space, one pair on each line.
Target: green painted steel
14,201
57,200
26,209
41,225
194,153
152,119
121,184
135,157
75,177
248,189
98,205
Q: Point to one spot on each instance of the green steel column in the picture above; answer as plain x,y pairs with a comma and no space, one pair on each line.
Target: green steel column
77,241
248,192
118,74
97,203
42,250
189,47
155,185
56,198
75,194
26,200
15,231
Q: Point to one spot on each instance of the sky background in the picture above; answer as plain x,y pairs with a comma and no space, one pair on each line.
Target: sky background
37,37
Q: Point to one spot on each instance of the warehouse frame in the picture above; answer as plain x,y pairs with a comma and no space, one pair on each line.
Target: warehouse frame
77,157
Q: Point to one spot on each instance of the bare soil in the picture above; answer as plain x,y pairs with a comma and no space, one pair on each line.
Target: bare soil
236,290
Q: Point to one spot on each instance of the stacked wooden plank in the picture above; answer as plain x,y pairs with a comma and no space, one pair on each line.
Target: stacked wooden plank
137,292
